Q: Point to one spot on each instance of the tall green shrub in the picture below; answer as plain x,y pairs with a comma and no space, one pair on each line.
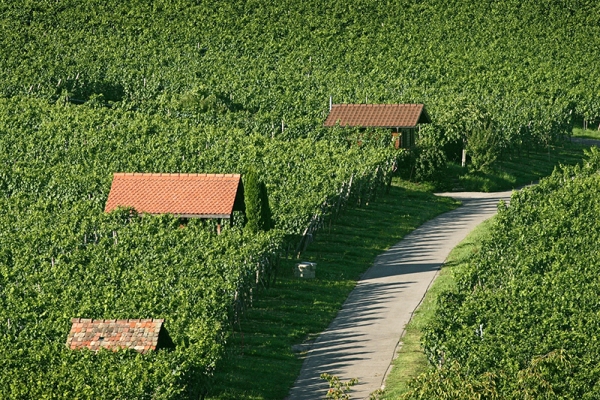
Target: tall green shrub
258,211
266,217
484,145
252,200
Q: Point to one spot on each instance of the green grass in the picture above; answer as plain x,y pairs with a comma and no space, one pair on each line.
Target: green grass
510,172
586,133
411,361
260,362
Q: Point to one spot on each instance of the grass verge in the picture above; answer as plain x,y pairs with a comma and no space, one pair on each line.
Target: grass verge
264,355
586,133
410,360
510,173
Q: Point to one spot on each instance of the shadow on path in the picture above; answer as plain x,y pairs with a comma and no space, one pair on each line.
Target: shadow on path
361,341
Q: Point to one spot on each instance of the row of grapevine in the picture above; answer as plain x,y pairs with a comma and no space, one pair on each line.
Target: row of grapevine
96,87
69,153
61,256
523,320
520,69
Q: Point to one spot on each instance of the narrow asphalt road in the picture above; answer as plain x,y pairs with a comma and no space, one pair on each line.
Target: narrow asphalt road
362,339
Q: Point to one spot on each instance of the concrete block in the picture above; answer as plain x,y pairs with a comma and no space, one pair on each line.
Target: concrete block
305,270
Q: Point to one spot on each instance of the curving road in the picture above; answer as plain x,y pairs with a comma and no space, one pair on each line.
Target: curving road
362,340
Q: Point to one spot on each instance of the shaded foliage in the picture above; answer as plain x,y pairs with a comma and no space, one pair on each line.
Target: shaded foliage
522,322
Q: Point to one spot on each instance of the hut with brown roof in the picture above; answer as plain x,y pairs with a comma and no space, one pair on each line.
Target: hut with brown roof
141,335
402,119
209,196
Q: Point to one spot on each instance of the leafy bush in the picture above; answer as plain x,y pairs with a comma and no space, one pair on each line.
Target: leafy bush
484,145
258,210
429,158
523,320
61,256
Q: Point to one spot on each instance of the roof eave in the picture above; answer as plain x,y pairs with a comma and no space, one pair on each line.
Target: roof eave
373,126
201,216
423,117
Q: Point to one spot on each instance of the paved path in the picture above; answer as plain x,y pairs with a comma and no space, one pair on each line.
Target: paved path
585,141
362,340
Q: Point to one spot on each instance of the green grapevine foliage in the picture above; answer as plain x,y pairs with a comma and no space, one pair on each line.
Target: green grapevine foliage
95,87
62,257
523,321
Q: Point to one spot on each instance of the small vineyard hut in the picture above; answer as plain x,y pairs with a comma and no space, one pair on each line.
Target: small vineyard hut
402,119
209,196
141,335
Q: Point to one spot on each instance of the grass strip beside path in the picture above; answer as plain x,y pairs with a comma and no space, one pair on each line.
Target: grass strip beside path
264,355
510,172
586,133
411,360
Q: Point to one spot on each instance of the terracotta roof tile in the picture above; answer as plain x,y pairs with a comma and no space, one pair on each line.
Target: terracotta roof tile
209,195
138,334
377,115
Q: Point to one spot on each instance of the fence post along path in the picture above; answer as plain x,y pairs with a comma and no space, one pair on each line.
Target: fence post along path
362,340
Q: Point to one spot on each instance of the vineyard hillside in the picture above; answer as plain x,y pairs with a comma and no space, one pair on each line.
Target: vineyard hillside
88,89
522,320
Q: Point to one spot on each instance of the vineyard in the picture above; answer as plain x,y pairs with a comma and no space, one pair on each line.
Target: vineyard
63,257
522,322
499,75
96,87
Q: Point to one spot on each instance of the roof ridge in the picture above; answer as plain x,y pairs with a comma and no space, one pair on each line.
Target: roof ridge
109,320
174,174
376,104
405,115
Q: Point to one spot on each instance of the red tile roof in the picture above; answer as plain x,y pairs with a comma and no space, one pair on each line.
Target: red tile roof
187,195
377,115
138,334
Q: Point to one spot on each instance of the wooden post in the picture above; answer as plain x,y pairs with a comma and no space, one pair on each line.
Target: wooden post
219,226
339,202
350,187
464,158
